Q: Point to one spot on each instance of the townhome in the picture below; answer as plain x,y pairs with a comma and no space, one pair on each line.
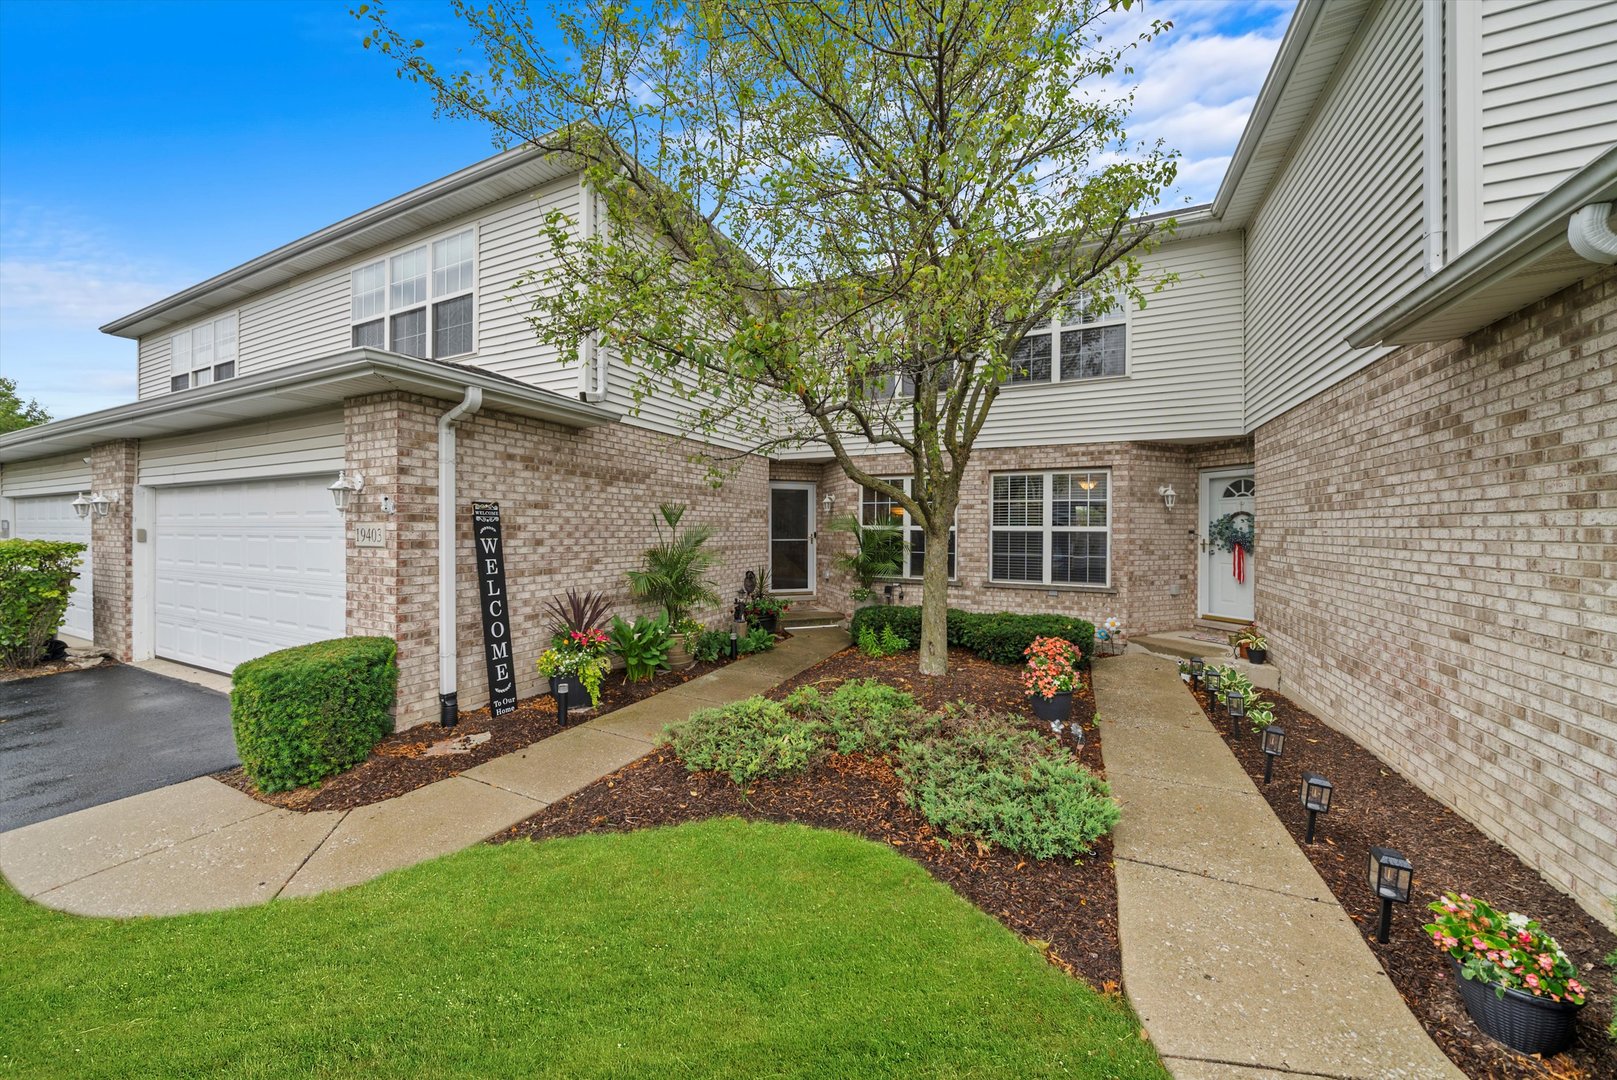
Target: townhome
1389,350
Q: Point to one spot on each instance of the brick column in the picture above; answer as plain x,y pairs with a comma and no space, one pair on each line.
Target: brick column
113,468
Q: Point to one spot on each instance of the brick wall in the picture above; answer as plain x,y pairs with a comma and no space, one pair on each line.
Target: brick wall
1154,552
1439,536
113,468
576,511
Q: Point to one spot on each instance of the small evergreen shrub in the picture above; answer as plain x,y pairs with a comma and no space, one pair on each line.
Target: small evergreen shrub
982,776
861,716
755,640
36,581
1002,637
309,712
747,740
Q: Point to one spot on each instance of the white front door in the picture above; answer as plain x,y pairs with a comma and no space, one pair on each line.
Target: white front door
246,568
51,517
1226,587
791,537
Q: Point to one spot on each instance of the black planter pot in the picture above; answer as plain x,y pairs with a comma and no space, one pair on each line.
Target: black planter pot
1056,708
577,697
1257,656
1526,1024
767,622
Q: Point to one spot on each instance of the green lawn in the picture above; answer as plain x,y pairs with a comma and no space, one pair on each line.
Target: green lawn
715,949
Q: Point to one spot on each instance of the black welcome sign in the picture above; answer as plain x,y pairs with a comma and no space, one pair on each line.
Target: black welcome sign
502,678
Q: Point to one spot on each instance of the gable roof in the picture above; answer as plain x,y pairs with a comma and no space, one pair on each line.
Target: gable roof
488,181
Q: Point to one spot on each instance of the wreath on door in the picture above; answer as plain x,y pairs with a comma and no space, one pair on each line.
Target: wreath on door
1233,533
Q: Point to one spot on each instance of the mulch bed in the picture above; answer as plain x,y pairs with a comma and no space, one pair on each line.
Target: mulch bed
1372,805
1068,909
397,766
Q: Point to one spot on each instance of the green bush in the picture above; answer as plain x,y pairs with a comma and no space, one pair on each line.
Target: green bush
36,581
1001,637
755,640
643,644
710,645
886,643
980,775
747,739
862,716
306,713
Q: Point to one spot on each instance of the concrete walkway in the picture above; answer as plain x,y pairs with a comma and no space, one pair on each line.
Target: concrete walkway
202,846
1237,957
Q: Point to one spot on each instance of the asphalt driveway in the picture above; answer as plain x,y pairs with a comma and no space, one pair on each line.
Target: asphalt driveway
83,738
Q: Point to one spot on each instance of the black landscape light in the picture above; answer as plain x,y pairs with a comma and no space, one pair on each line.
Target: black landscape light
1316,795
1235,701
1390,878
1211,680
1274,744
563,692
1198,667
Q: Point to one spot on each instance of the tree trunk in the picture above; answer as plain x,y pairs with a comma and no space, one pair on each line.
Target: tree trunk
935,595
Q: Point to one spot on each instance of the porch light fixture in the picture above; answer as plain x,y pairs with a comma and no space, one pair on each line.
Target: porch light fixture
1274,743
1316,796
345,490
829,502
1235,702
81,506
101,505
1168,495
1390,878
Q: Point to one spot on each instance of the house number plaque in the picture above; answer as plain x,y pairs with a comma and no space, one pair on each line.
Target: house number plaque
373,536
491,598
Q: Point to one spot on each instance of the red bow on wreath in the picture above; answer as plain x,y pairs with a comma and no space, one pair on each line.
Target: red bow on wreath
1240,565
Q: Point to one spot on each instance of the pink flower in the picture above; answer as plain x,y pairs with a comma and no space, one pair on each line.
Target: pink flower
1575,986
1465,896
1524,937
1449,943
1546,961
1478,944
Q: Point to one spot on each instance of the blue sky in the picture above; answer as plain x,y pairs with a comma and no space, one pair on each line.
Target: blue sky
147,146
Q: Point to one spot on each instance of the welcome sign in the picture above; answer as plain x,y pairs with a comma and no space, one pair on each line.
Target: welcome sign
502,680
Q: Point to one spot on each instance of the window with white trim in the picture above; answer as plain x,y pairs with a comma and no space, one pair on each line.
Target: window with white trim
203,354
420,301
1085,339
1051,528
876,507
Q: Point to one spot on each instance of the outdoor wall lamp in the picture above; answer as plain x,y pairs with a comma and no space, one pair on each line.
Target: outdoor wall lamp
1316,795
829,502
1274,743
1235,702
95,503
1168,495
1390,878
345,490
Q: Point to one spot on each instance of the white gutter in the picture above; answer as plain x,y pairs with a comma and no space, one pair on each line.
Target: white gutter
1432,131
1590,236
448,692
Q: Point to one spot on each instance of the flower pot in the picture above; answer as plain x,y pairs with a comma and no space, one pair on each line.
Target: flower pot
1055,708
767,622
679,658
1257,656
1240,650
1526,1024
578,698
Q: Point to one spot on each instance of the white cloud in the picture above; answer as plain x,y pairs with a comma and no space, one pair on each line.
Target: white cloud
1195,84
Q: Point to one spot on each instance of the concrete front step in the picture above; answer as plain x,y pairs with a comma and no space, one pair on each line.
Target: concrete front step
806,618
1182,644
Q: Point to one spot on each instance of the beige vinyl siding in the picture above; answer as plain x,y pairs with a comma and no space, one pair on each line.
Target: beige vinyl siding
152,357
45,476
291,445
1548,75
303,321
1339,235
509,245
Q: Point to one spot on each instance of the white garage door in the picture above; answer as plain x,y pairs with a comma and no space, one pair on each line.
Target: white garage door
247,568
51,517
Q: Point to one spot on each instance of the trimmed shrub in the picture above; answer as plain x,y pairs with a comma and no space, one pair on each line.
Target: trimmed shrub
982,776
36,581
746,739
1002,637
755,640
859,716
710,645
309,712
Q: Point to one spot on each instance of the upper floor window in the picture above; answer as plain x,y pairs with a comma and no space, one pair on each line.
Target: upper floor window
203,354
876,508
1051,528
1085,339
420,302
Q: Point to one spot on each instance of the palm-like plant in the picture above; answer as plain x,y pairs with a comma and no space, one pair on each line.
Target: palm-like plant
878,550
675,574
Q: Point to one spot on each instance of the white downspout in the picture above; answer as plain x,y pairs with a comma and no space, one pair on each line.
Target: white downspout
1590,236
1432,132
448,692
